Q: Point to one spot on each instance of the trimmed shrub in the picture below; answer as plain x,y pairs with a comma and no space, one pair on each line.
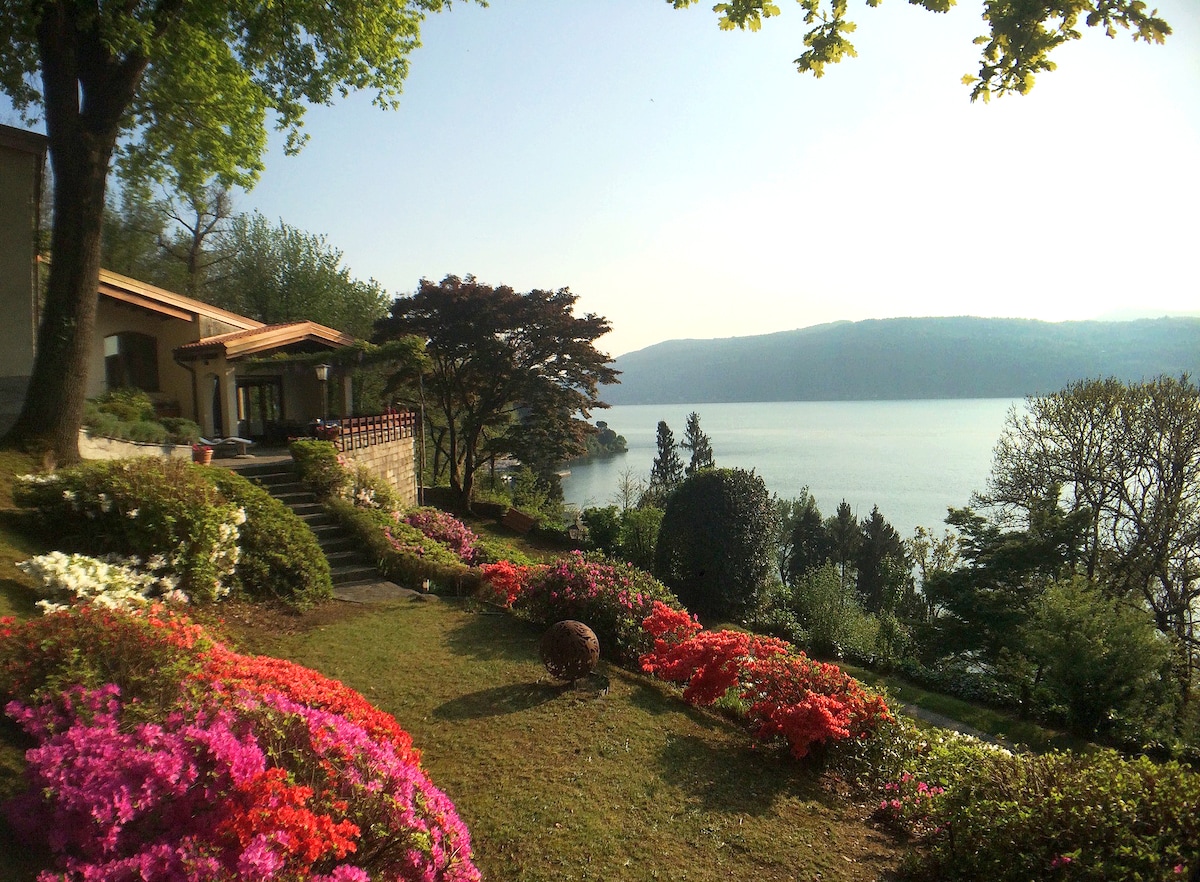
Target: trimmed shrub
1067,816
166,512
716,544
129,414
403,553
212,529
320,467
128,405
280,557
781,693
446,529
611,599
118,582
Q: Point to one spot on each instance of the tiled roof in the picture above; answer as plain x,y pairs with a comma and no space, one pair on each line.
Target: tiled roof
160,300
238,344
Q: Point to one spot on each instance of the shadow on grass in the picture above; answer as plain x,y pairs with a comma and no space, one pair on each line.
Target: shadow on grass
491,635
719,780
657,699
499,700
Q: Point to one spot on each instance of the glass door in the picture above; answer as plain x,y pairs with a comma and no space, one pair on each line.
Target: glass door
260,407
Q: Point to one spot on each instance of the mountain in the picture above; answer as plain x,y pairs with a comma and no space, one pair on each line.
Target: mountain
906,358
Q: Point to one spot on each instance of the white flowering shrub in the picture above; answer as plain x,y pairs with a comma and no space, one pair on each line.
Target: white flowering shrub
365,489
115,583
143,507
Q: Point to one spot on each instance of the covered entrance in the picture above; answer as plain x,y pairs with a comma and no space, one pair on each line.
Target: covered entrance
260,410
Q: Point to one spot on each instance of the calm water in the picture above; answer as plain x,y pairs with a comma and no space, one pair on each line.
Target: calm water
911,458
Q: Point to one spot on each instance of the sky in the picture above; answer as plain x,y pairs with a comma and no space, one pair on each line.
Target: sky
686,182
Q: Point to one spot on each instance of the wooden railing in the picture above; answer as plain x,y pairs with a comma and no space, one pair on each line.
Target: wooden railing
355,433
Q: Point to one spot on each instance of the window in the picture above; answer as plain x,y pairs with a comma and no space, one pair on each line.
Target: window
131,359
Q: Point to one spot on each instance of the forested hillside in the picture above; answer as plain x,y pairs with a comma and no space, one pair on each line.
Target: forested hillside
903,358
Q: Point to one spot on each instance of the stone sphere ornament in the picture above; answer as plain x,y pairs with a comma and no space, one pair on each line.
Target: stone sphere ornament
570,650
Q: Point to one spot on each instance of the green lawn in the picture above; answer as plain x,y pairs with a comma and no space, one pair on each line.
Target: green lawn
978,716
613,779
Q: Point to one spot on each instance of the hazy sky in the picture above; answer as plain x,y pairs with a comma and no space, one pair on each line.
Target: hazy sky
687,182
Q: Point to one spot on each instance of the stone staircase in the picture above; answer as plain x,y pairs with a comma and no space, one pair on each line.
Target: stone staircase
354,577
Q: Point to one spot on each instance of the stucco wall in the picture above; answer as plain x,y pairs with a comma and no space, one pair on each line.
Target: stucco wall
393,461
175,382
21,160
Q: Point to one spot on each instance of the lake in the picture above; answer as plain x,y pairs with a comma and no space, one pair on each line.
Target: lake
913,459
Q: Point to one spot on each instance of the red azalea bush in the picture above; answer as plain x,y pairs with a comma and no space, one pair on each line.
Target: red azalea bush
249,769
784,693
612,599
504,581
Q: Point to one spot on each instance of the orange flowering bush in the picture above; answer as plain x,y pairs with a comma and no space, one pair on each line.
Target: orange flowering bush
785,693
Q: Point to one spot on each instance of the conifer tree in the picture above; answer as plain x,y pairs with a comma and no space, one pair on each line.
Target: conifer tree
696,441
667,471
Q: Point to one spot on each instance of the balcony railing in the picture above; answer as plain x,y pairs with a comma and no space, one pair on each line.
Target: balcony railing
355,433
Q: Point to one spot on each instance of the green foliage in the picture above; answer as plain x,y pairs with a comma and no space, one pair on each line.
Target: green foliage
403,553
128,414
991,597
833,622
491,351
630,535
319,466
181,430
1101,658
604,529
1068,816
697,443
127,405
666,472
716,542
278,273
145,507
638,536
539,496
605,442
280,557
1127,456
1016,48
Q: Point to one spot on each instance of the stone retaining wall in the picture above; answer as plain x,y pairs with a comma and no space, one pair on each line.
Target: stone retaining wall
394,462
99,447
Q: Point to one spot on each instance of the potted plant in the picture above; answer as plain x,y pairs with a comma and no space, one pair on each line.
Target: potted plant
202,454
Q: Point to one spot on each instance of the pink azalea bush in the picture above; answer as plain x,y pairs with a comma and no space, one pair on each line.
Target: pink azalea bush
446,529
247,769
610,598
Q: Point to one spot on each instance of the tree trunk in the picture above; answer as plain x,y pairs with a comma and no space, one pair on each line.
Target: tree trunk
86,93
53,409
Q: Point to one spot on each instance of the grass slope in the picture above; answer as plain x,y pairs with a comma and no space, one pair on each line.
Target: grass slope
612,779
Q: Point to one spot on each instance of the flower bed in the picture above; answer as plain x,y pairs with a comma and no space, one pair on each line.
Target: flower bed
162,755
612,599
210,530
783,693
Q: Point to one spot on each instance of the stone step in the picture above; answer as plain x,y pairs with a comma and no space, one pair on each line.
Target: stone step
334,541
287,488
305,509
345,557
299,497
342,550
352,573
